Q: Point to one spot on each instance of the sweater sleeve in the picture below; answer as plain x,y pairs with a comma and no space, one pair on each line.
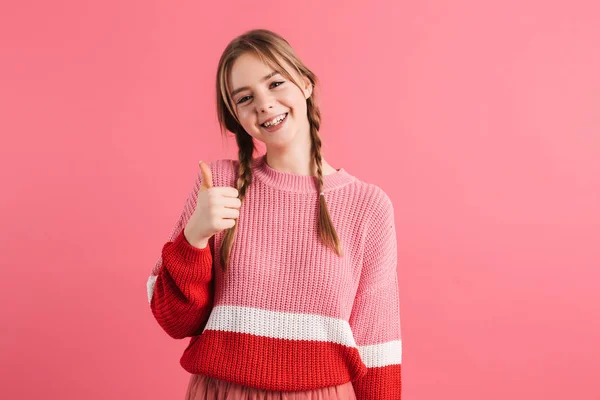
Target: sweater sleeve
375,316
180,291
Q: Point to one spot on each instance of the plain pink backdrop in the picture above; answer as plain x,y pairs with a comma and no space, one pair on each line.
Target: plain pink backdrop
479,119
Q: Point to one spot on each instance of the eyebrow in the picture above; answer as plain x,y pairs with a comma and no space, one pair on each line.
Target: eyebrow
236,91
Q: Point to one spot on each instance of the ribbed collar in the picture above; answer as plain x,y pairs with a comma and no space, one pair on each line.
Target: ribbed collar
298,183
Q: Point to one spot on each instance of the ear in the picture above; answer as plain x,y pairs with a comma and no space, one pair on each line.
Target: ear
308,87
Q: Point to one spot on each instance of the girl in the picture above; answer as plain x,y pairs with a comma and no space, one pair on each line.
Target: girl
281,269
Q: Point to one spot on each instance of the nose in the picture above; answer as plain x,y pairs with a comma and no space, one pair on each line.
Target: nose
263,103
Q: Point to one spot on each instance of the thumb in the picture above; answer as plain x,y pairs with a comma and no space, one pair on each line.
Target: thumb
206,176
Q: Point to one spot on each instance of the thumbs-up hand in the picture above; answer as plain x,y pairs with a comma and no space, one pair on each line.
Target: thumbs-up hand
206,176
217,208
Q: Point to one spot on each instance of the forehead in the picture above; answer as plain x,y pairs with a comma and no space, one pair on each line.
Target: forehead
248,70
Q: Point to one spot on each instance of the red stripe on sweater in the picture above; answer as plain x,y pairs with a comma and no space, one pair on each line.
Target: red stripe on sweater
270,363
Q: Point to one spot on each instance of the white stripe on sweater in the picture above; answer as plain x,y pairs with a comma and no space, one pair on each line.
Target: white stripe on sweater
299,326
150,286
278,324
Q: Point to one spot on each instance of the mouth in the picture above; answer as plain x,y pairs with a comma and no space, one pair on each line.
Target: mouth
281,120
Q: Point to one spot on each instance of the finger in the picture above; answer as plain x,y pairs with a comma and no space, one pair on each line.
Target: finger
227,191
206,175
227,213
231,202
227,223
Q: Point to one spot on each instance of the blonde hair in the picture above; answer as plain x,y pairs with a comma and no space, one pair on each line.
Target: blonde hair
268,46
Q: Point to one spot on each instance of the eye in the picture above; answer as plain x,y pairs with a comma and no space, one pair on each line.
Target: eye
240,101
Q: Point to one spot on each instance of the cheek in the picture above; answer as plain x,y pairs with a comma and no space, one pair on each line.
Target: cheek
245,117
298,106
295,101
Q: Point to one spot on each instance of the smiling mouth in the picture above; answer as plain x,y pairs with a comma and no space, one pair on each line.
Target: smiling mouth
280,121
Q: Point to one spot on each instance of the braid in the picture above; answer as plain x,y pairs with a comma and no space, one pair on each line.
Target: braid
246,150
327,231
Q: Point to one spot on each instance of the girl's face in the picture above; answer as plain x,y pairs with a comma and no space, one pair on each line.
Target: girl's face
259,94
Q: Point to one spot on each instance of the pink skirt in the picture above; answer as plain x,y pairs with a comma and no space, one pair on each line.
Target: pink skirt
202,387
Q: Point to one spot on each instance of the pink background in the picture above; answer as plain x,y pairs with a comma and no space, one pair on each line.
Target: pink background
479,120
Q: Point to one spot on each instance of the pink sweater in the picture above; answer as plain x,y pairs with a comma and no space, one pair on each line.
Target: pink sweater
290,314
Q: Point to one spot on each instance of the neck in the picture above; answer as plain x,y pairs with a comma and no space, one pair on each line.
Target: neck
296,163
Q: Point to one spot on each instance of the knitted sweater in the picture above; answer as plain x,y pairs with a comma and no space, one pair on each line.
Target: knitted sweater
289,314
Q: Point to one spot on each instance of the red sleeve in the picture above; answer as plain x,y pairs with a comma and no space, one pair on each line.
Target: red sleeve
182,295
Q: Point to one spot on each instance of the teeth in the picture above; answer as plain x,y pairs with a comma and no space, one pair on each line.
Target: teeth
274,121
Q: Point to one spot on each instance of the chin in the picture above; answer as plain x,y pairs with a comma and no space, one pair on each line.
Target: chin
280,141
